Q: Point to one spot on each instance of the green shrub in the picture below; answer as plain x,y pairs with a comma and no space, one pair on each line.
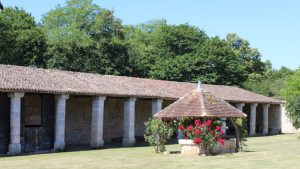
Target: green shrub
157,133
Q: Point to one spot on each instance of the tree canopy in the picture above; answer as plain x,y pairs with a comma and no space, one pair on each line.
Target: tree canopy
82,36
22,42
291,93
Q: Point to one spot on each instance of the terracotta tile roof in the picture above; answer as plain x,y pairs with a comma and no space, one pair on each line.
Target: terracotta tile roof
37,80
200,103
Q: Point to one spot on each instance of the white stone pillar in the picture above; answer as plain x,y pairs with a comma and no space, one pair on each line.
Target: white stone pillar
252,119
60,112
278,118
97,121
265,119
15,122
156,105
128,123
223,123
240,106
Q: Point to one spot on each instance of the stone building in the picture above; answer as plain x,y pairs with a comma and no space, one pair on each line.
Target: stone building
44,109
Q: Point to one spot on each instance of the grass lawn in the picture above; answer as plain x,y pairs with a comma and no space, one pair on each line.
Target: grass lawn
281,151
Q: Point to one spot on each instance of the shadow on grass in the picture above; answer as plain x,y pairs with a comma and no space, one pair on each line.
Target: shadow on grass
248,151
115,144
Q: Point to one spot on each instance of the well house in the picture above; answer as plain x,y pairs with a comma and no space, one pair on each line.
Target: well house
46,109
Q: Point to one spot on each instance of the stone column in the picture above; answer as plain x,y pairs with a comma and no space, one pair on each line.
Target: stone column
223,122
15,122
240,106
128,123
156,105
97,121
277,116
59,142
252,119
265,119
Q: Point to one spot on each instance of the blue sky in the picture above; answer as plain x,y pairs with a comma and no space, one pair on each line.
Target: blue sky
272,26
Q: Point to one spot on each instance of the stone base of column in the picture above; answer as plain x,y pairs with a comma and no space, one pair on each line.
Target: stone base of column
265,133
14,149
252,134
127,142
97,144
59,145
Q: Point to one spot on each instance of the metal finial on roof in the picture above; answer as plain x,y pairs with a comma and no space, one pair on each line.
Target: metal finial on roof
199,85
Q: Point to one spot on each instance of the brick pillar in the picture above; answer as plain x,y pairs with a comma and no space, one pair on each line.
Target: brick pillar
59,142
128,123
156,105
265,119
97,121
15,122
252,119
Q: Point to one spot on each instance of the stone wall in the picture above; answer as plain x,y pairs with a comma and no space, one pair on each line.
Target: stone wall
78,120
166,103
38,110
286,125
275,119
142,113
113,119
259,119
32,109
4,122
48,117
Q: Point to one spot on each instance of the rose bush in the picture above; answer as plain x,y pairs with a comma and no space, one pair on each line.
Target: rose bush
204,134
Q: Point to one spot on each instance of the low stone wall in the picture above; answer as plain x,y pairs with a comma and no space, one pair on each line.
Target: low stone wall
189,148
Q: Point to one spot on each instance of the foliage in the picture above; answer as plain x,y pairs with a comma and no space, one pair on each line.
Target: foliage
250,57
157,133
22,42
269,84
291,93
84,37
205,134
218,64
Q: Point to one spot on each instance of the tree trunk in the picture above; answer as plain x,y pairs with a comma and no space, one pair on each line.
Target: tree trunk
237,135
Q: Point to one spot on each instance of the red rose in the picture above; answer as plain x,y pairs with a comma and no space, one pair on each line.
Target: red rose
197,122
218,128
197,140
197,132
180,128
221,141
208,122
189,128
222,132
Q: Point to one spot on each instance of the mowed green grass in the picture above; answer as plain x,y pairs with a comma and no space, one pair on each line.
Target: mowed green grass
280,151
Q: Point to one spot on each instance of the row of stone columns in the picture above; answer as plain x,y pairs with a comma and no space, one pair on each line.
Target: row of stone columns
60,113
253,112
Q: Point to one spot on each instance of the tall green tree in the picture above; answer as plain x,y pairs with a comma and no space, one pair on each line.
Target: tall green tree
142,55
217,63
176,40
84,37
291,93
22,41
250,58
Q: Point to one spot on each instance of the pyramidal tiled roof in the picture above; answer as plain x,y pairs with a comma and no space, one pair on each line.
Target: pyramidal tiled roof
38,80
200,103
